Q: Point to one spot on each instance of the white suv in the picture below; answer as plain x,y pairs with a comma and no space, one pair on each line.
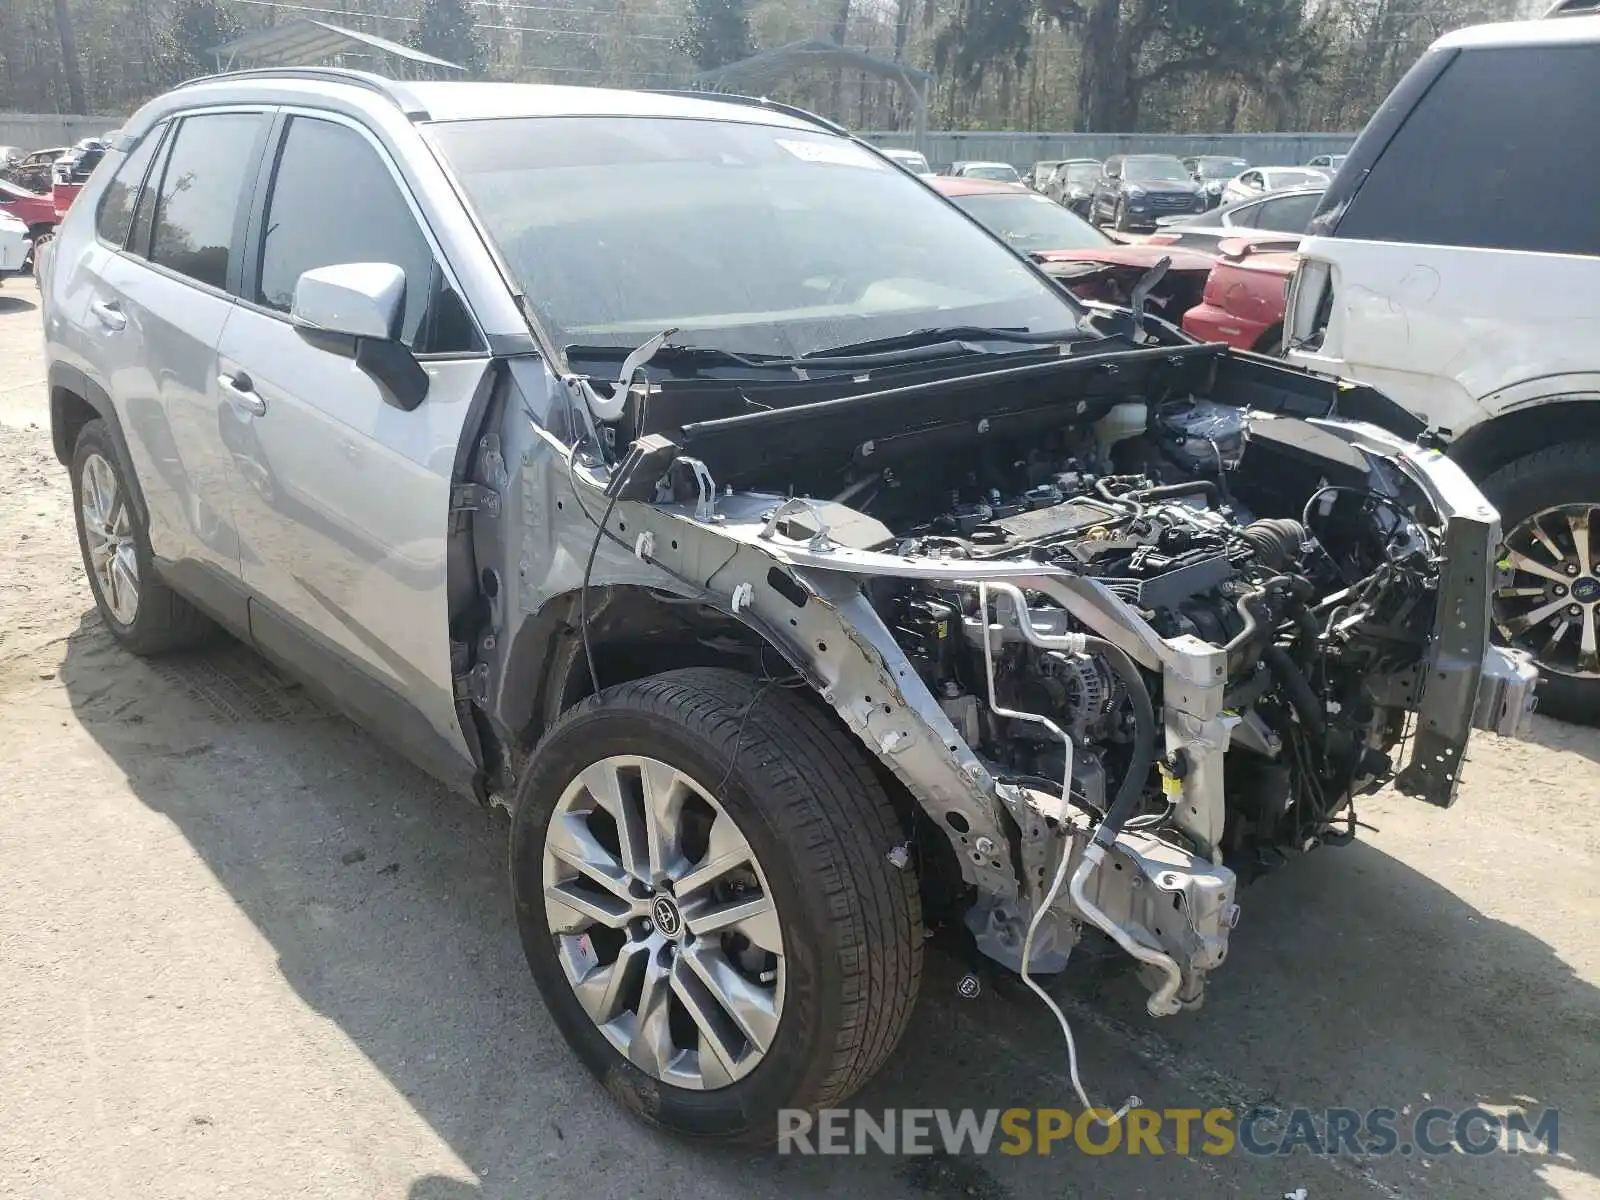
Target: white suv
1455,265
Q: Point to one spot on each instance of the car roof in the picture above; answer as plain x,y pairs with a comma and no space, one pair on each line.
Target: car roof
960,185
983,162
462,101
1565,31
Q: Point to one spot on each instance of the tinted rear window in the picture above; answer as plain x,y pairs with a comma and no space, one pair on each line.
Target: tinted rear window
1498,154
198,203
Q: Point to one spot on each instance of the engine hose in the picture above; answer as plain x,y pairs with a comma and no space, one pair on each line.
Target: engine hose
1298,692
1194,487
1310,634
1102,488
1144,739
1276,542
1248,692
1238,648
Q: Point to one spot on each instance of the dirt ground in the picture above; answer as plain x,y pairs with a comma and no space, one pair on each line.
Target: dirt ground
246,950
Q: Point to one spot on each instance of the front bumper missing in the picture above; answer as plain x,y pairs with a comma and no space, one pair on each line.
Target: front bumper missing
1465,683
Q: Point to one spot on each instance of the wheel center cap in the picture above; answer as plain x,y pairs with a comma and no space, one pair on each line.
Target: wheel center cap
669,921
1586,590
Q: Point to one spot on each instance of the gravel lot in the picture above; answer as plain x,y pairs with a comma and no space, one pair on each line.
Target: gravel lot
245,949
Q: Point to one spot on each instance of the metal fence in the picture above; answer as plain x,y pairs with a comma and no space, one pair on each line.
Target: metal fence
33,131
36,131
947,146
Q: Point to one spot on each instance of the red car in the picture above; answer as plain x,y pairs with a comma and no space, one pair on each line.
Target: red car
63,194
1246,293
1087,262
37,212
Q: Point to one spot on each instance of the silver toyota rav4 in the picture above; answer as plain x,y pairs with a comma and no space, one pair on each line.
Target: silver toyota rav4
800,567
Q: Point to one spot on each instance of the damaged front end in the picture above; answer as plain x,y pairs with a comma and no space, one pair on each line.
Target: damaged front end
1129,629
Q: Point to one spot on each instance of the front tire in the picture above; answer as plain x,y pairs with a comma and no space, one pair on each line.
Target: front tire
143,614
1546,596
698,863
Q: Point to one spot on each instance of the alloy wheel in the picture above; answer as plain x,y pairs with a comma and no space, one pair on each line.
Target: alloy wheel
108,539
663,922
1547,591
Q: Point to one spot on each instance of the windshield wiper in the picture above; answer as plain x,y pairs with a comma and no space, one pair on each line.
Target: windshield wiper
691,357
938,337
923,345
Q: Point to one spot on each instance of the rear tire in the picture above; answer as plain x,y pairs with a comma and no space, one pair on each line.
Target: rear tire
817,826
143,614
1566,474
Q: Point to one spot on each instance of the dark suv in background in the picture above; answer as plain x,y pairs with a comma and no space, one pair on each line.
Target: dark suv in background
1135,189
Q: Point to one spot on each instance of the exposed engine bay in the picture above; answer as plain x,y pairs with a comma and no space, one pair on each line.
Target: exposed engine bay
1307,614
1123,652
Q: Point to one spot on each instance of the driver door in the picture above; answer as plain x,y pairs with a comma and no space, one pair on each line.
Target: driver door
343,499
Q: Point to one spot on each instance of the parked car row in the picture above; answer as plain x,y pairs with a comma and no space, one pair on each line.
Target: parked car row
36,189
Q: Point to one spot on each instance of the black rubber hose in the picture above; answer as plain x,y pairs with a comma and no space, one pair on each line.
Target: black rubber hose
1248,692
1194,487
1310,633
1295,688
1276,542
1102,488
1144,739
1296,586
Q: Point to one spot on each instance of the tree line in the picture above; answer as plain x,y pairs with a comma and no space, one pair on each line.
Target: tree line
1090,65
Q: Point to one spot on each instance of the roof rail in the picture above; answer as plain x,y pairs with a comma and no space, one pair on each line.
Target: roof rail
1573,8
788,110
390,89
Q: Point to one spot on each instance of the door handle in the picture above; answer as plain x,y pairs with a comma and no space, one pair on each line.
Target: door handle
241,393
109,315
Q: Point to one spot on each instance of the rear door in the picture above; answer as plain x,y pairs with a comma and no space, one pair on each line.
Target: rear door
1465,261
343,500
157,305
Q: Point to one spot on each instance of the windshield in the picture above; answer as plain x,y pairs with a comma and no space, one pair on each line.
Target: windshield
1082,172
1032,222
1220,168
1151,170
742,237
1294,178
1000,172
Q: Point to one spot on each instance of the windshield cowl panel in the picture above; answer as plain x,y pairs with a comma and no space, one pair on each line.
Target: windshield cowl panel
748,238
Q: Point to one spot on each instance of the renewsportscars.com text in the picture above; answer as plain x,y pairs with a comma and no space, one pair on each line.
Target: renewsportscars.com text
1261,1132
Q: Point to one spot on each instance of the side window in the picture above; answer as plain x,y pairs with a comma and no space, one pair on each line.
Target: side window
1247,217
1288,214
198,197
114,221
1497,154
144,212
363,218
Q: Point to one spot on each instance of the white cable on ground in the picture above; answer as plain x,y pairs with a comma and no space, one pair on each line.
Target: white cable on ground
1061,871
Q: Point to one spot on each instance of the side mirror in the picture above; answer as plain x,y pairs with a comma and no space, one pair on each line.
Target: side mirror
356,308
